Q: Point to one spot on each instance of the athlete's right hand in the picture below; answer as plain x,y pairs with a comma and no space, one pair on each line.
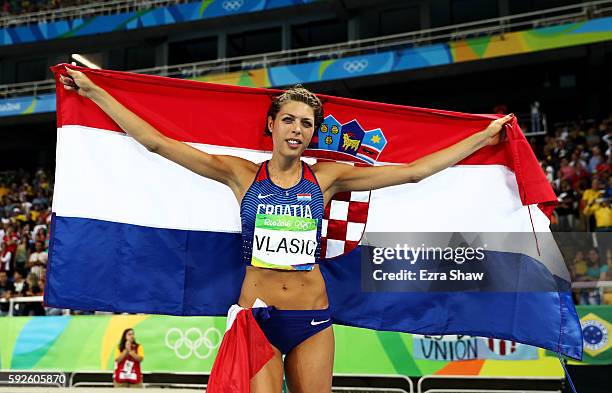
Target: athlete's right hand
79,82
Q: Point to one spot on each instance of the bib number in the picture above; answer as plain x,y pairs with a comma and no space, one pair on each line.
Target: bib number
127,373
280,241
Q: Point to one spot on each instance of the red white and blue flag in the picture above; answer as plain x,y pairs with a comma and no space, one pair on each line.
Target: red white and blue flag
122,213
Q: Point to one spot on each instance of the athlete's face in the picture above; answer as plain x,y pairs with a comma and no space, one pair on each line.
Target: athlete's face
292,129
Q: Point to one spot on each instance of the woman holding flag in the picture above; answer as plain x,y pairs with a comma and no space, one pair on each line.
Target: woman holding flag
282,202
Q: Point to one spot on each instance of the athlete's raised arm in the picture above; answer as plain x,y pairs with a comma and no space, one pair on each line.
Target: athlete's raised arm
336,177
235,172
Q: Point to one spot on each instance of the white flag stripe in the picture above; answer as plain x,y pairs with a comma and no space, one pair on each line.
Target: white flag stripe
108,176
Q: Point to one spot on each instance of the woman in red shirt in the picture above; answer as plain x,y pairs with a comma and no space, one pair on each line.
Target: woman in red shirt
128,356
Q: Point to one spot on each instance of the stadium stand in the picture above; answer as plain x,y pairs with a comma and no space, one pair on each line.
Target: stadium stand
15,12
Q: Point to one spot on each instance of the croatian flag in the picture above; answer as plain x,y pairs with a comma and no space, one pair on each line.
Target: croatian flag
134,232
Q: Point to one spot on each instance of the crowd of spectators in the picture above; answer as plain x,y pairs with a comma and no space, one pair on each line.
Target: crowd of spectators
16,7
577,160
25,215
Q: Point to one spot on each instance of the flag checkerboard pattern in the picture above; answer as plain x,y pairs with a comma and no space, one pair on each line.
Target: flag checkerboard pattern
344,222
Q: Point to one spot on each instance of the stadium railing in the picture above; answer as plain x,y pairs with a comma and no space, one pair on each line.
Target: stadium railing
591,284
24,299
489,384
104,7
353,382
488,391
487,27
368,390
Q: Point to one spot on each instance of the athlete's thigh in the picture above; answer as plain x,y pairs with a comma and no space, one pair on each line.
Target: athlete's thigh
270,378
309,366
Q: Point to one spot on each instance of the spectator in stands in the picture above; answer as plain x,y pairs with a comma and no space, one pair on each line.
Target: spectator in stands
21,289
20,284
41,236
38,259
608,290
535,117
40,223
578,268
6,259
10,238
33,289
601,210
40,200
595,271
566,171
22,252
579,265
567,207
6,291
581,173
595,160
128,356
4,190
592,138
18,216
589,196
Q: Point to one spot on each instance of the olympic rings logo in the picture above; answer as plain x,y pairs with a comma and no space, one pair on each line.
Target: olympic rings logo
352,66
189,343
232,5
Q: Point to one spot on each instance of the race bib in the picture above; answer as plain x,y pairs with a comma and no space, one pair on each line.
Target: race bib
127,373
280,241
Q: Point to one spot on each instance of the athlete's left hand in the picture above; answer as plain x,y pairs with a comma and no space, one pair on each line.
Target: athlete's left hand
493,132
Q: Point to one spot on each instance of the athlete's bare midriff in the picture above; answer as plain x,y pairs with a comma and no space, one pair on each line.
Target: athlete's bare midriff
285,290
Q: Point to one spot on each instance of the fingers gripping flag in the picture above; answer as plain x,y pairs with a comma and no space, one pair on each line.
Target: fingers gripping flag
121,210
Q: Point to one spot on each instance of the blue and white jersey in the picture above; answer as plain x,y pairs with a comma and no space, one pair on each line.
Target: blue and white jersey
281,227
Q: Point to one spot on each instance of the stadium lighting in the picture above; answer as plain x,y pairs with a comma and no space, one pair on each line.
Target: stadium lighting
83,60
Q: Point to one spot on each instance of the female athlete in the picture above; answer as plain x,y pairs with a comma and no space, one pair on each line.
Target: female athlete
281,206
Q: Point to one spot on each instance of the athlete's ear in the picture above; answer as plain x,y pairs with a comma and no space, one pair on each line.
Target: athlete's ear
270,124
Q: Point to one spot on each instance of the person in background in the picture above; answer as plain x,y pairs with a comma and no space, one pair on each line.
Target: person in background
608,290
579,266
6,258
38,259
10,239
33,308
22,251
21,289
6,291
128,356
566,209
596,271
589,196
596,159
601,210
535,117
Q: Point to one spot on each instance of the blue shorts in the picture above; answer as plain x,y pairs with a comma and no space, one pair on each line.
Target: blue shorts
285,329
